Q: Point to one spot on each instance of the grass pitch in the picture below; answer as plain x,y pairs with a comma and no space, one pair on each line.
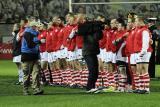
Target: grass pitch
11,95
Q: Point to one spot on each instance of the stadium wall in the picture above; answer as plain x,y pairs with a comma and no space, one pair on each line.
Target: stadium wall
6,41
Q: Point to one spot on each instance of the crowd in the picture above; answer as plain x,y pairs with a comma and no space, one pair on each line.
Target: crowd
64,52
13,10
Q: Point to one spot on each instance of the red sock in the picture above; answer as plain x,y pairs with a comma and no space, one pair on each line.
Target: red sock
111,80
136,81
105,78
122,82
77,77
141,82
84,77
116,77
54,76
69,76
47,75
99,80
59,81
146,81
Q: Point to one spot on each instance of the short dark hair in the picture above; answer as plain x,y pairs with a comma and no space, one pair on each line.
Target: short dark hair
61,18
121,21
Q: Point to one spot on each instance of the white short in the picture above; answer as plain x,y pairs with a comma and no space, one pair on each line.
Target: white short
113,57
119,56
79,54
17,58
50,57
54,56
145,58
65,53
44,56
123,59
58,54
71,55
109,57
102,54
133,59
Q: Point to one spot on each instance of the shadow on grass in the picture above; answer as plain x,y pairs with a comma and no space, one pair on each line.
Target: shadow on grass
8,88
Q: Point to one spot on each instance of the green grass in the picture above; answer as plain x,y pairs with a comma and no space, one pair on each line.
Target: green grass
11,95
157,70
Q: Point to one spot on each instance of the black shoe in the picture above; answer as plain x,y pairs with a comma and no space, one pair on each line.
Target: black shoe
143,92
93,90
38,92
19,83
26,93
136,91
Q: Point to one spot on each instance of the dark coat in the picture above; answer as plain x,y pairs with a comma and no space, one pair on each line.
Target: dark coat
92,33
16,45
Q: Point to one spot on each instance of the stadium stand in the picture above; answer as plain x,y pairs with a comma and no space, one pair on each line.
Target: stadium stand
12,10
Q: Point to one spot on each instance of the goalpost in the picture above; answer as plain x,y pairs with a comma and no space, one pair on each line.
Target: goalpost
110,3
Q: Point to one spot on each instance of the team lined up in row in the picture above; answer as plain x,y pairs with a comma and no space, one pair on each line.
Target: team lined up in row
120,46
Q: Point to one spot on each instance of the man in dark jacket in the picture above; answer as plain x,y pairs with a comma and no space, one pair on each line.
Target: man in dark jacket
17,53
30,57
152,28
91,31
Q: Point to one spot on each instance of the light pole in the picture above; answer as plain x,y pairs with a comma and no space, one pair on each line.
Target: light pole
70,5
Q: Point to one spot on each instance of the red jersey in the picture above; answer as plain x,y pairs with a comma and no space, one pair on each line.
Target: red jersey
60,37
71,44
79,42
102,42
108,40
113,38
119,35
130,41
79,39
49,41
139,39
55,32
21,31
66,31
42,35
